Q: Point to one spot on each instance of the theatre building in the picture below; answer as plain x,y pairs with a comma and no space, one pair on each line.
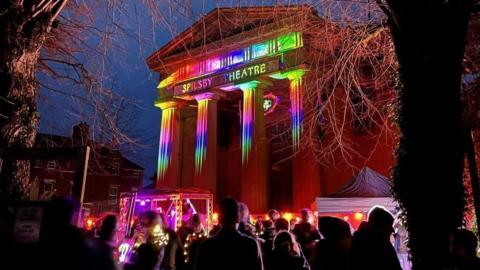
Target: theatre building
231,92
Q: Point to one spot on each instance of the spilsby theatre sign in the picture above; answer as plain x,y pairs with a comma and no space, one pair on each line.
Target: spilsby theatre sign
236,75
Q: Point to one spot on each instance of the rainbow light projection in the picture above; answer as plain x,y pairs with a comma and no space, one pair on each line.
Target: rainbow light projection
201,141
248,110
165,144
214,64
296,96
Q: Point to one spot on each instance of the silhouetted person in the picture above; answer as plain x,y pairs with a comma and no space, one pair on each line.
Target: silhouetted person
101,247
193,241
269,232
281,224
63,244
286,254
306,233
332,252
463,250
151,240
173,258
244,225
183,231
371,247
229,249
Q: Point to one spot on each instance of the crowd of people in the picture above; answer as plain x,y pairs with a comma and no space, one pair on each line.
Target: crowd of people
235,243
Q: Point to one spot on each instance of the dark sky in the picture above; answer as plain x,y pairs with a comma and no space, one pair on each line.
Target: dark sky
133,80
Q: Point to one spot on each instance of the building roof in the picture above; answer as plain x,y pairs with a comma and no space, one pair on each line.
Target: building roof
221,23
367,183
52,140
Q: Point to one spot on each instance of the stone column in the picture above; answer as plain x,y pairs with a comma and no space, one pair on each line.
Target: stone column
254,155
206,142
169,163
305,170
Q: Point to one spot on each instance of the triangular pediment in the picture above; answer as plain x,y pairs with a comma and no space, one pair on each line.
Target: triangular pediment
222,23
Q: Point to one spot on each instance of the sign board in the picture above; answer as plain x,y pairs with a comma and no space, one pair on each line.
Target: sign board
28,222
236,75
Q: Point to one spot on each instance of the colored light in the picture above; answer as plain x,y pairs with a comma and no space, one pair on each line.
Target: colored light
165,143
247,123
89,224
296,101
215,217
288,216
255,51
123,250
358,216
346,218
142,203
289,41
201,140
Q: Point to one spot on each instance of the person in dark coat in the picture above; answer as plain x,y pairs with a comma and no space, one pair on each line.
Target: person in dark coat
229,249
150,241
101,247
306,233
286,254
331,253
63,245
463,249
371,247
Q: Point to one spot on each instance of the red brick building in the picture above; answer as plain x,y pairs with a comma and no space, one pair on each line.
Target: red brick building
109,172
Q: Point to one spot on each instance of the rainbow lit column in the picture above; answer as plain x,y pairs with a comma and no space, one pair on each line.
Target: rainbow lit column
201,139
167,135
249,90
254,157
296,101
206,141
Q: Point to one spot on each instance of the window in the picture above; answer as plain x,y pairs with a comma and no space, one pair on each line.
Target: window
51,165
115,168
112,195
48,186
37,164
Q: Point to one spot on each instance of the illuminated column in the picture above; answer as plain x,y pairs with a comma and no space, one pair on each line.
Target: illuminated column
254,158
296,101
206,142
168,168
305,170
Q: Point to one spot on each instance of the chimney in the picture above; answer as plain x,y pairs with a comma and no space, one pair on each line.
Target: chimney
80,134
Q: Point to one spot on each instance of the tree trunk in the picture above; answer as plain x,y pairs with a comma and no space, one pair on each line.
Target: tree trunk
23,30
429,38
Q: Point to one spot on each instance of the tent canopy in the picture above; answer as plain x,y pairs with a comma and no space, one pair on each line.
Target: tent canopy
367,189
367,183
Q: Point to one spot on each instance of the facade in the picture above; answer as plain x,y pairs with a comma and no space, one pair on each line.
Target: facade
109,172
231,92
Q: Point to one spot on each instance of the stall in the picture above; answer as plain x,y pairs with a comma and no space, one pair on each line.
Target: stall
177,205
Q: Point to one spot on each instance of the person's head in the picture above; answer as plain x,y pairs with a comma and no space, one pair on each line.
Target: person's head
243,212
281,224
228,212
381,221
61,211
334,228
148,219
284,242
464,244
305,215
108,227
196,220
273,215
